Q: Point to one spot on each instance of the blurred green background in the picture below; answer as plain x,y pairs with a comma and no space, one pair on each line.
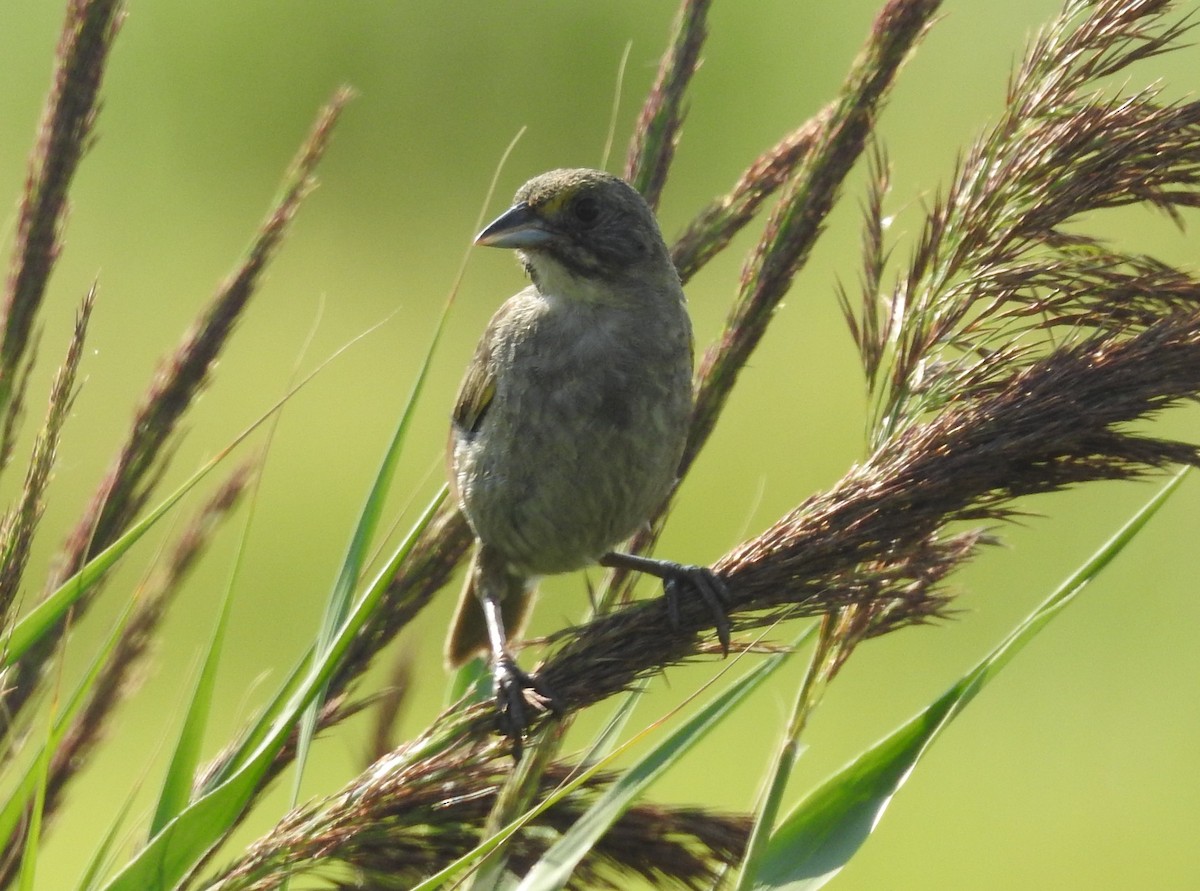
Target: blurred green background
1077,769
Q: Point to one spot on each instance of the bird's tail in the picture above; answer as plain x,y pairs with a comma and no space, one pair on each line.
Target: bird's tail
468,636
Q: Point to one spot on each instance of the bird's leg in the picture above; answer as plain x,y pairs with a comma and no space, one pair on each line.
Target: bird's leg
676,576
514,690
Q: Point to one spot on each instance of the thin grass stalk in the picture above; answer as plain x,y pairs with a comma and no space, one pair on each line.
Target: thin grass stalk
652,147
64,135
517,794
797,221
16,536
816,676
711,230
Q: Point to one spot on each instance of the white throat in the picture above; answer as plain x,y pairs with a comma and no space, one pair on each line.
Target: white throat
556,281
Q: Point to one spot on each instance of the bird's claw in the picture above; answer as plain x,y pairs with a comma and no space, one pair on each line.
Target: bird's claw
712,590
516,692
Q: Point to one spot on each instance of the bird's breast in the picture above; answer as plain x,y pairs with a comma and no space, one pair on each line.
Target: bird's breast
584,435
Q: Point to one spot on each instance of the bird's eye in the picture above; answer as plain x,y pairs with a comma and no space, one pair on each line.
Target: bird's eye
586,209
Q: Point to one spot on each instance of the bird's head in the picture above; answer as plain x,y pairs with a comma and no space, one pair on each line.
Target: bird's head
585,229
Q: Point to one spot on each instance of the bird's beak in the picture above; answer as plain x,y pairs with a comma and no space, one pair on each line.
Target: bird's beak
517,227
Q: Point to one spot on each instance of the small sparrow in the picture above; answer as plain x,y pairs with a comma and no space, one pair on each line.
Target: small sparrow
571,419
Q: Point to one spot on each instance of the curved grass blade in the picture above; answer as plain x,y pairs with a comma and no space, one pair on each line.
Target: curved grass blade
171,854
819,837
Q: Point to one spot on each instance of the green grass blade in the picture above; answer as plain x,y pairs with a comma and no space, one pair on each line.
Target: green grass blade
819,837
474,678
90,880
606,739
33,833
174,852
177,784
555,867
43,617
368,520
341,597
267,717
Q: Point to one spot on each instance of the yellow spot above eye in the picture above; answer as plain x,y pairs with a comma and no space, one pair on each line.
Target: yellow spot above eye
555,202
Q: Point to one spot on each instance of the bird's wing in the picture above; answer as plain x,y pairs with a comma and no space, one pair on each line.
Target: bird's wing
477,389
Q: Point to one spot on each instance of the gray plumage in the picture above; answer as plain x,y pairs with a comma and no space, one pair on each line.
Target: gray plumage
571,419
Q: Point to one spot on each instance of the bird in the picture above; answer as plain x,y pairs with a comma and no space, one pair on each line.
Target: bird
571,419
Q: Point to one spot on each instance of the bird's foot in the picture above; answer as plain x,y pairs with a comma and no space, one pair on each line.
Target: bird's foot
679,579
516,693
